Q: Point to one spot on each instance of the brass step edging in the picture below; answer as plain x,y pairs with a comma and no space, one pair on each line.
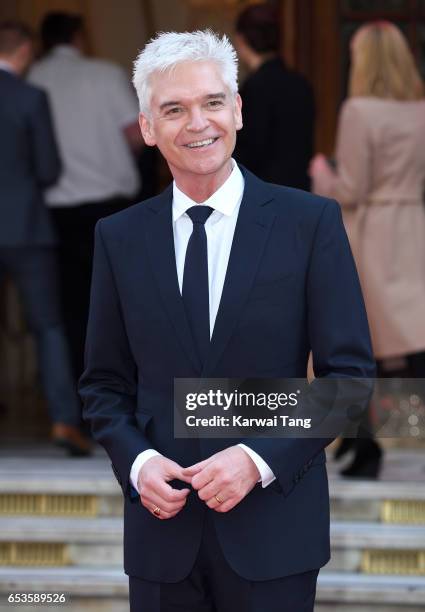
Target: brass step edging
34,554
48,505
403,511
393,562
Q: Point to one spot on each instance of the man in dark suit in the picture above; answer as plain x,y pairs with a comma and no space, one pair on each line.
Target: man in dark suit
276,141
222,275
29,162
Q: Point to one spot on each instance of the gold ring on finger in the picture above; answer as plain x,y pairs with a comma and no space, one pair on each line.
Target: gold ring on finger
156,511
218,499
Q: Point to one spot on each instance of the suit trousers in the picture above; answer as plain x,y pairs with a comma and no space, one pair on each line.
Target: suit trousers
75,228
34,271
213,586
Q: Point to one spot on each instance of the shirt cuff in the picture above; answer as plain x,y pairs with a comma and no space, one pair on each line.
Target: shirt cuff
138,464
266,475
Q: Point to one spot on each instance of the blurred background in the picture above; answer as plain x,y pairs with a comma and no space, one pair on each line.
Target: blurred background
60,509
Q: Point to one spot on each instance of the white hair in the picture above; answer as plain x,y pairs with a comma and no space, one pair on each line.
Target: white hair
168,49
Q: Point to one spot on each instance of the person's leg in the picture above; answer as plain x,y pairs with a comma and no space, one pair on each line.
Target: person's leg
2,321
231,592
75,228
74,279
416,365
189,595
288,594
34,271
78,246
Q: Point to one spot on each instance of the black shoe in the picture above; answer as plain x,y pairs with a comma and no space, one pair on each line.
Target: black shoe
367,461
345,445
71,439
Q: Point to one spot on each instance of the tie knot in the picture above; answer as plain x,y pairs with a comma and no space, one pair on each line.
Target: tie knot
199,213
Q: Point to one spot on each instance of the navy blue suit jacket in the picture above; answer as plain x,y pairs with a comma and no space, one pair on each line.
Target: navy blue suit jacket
29,162
291,287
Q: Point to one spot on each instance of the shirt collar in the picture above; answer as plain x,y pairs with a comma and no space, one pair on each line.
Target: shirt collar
224,200
4,65
67,50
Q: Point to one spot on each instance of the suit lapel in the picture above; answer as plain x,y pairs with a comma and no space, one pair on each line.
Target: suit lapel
253,226
251,233
160,243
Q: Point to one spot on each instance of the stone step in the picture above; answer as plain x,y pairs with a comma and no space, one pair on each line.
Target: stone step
109,529
345,534
372,548
94,589
47,529
397,497
356,547
86,589
46,483
49,486
381,501
82,476
354,505
61,541
97,494
351,592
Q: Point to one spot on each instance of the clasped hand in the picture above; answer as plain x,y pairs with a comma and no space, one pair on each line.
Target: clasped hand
221,481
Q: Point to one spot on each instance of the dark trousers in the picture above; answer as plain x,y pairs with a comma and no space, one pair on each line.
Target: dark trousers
34,271
75,229
212,586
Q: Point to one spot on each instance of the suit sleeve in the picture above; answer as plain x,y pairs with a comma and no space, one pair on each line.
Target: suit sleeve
338,333
45,156
108,386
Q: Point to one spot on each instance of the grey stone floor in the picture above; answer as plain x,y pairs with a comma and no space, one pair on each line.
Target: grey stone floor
400,465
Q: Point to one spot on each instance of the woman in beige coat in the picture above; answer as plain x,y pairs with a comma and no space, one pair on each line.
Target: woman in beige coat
379,182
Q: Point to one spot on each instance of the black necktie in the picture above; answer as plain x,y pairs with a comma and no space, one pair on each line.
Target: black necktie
195,280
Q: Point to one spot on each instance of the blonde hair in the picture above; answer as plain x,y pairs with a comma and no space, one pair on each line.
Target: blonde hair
383,65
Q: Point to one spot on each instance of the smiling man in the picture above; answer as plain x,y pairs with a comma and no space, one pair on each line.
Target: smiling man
222,275
193,118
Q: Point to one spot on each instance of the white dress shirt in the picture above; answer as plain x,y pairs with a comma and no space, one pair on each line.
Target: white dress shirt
220,228
91,102
4,65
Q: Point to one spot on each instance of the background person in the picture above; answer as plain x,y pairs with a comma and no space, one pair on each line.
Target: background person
95,117
276,141
29,162
379,182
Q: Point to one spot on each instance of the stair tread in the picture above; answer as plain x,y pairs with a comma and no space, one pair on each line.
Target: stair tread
344,587
61,529
364,534
44,470
332,586
374,490
77,581
107,529
354,579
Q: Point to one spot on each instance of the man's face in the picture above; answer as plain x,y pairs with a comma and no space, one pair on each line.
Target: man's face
193,119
